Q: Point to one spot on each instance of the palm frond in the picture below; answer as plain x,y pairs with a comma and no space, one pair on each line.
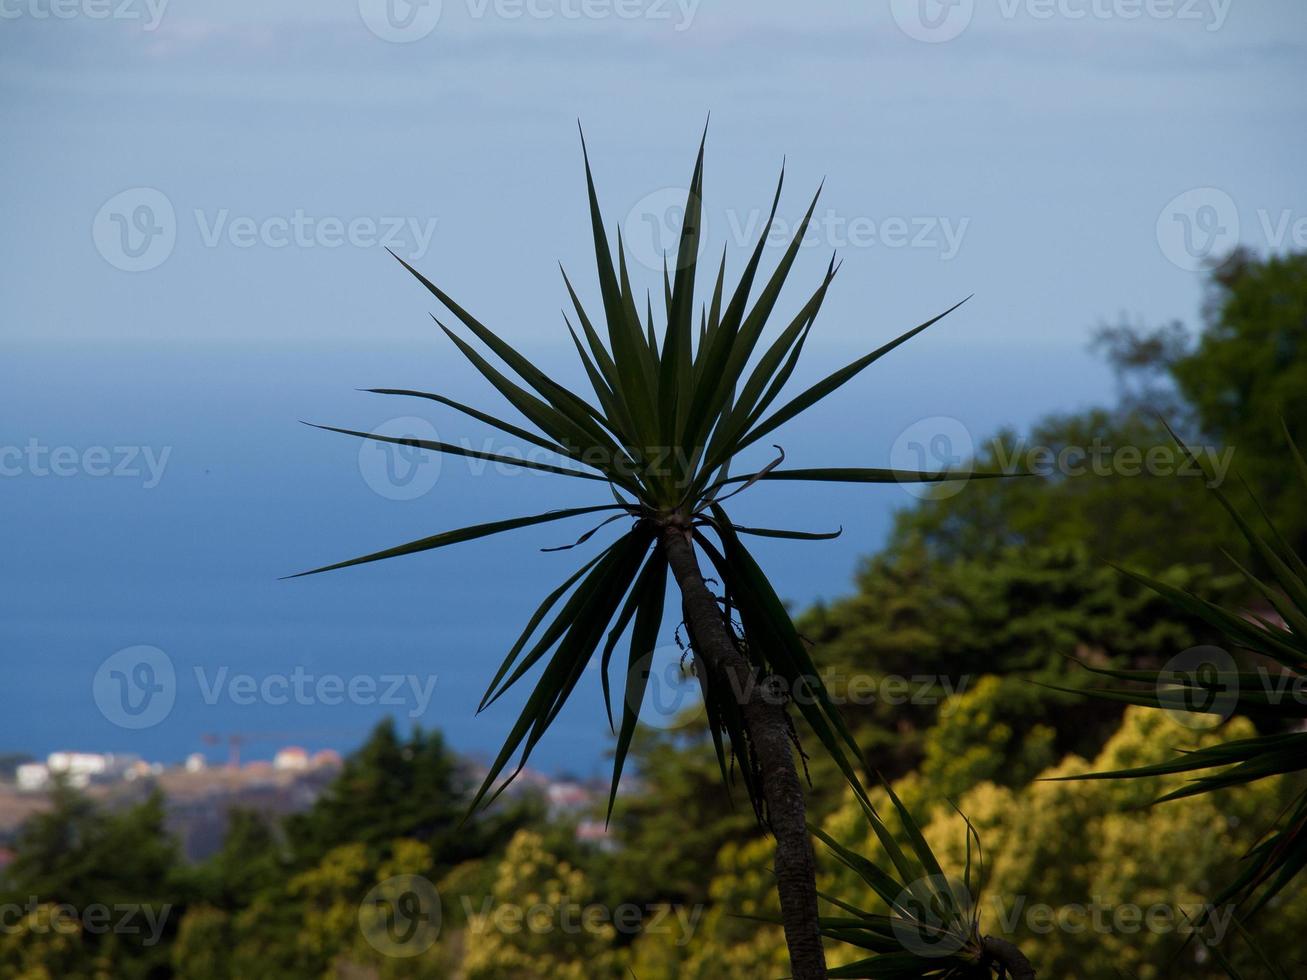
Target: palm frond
1209,686
667,413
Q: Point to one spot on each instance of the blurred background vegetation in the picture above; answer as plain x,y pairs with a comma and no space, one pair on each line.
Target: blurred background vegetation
991,591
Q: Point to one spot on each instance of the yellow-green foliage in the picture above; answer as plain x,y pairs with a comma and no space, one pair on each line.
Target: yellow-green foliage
43,944
970,742
1067,864
1083,882
540,920
728,946
329,918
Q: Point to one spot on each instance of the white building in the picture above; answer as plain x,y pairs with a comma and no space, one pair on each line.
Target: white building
292,757
77,767
32,776
80,769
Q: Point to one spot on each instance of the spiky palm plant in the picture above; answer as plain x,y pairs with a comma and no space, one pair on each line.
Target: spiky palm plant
1271,693
672,410
932,926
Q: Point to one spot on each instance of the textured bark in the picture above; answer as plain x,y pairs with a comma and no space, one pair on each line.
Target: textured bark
769,731
1013,961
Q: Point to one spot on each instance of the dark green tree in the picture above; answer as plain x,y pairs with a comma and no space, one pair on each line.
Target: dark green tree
116,870
1246,377
919,631
1232,383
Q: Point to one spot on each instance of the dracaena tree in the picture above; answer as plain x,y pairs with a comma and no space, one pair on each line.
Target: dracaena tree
673,407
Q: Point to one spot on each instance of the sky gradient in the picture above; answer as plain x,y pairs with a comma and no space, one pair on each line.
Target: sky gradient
198,197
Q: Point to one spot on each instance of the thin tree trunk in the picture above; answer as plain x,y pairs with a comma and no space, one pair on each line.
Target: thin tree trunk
769,731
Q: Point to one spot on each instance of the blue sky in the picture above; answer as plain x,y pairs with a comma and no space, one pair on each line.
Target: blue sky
198,193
